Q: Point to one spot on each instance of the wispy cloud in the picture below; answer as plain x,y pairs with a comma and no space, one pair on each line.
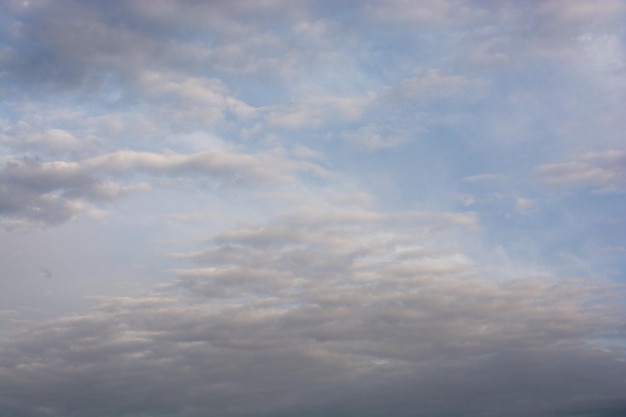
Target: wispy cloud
54,192
604,172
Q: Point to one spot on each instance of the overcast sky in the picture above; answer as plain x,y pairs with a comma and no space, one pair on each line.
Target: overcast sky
287,208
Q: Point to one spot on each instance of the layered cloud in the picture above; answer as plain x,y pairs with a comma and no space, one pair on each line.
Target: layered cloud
333,313
53,192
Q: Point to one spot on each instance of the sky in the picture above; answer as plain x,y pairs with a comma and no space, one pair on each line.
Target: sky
312,208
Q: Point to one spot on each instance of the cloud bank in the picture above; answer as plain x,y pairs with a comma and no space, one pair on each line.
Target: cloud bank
333,313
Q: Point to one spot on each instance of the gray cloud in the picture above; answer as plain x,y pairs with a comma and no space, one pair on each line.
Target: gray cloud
81,45
53,192
364,313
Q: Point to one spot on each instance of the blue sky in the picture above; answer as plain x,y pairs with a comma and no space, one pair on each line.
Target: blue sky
398,208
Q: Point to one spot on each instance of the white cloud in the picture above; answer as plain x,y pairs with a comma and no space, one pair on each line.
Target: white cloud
577,11
23,136
523,204
433,12
484,177
427,84
196,99
466,199
317,112
54,192
605,172
604,52
373,138
357,199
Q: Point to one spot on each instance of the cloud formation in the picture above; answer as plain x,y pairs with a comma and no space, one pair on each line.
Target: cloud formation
278,208
333,313
604,172
54,192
